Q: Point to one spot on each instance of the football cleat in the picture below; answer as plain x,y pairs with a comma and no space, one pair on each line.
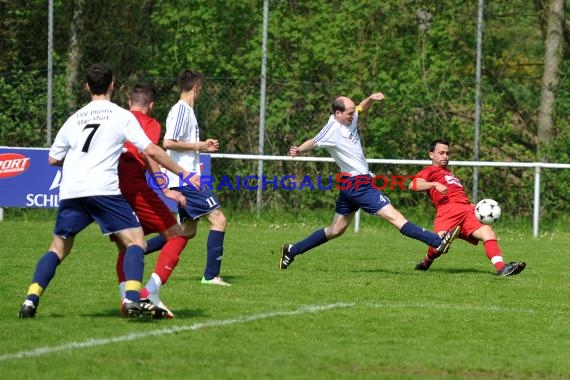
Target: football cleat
421,266
155,299
130,309
286,258
511,269
215,281
151,310
447,239
27,310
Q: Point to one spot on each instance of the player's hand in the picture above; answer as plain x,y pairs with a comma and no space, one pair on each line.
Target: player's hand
294,151
377,96
212,145
175,196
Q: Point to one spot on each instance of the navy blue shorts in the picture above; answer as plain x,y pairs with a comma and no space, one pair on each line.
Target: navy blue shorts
111,212
354,195
198,203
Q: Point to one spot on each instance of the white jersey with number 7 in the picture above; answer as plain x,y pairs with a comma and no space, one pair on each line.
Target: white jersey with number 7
91,141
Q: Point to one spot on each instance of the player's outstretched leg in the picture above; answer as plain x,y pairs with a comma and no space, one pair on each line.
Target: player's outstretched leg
289,251
447,239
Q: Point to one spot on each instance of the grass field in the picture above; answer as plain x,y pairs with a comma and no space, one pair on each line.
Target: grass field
351,309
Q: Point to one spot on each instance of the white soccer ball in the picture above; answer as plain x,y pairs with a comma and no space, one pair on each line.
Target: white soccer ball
488,211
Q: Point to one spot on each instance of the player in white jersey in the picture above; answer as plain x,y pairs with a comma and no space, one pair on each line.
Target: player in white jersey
88,147
183,144
341,138
182,126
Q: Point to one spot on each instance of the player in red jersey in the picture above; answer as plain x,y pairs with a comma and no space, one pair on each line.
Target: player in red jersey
453,208
154,215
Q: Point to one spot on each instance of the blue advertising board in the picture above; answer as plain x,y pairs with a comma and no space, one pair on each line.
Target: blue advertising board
28,181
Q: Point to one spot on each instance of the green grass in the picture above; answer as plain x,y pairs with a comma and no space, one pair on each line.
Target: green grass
351,309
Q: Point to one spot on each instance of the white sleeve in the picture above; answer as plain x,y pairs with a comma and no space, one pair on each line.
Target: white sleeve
328,135
176,123
60,145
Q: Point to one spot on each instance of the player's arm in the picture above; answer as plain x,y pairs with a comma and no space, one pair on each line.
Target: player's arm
59,148
55,162
210,145
135,135
160,156
304,147
420,184
153,167
366,103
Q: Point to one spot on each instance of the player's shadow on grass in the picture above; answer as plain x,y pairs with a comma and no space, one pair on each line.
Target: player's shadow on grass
460,270
378,270
178,313
412,271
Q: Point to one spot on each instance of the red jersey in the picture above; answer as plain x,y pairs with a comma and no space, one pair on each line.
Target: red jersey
132,169
455,190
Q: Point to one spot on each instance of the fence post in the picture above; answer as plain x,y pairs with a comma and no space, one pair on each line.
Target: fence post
357,222
536,207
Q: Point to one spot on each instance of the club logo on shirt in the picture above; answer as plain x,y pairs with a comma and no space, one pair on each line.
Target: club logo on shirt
353,136
452,180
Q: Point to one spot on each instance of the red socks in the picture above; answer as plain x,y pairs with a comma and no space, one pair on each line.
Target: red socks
494,254
166,262
169,256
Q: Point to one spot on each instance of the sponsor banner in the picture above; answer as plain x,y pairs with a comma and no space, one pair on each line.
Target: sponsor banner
27,180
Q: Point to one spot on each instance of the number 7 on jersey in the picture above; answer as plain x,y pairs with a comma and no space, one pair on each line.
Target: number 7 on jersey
90,137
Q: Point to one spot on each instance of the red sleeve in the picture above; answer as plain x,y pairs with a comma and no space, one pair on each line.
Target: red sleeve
425,173
152,130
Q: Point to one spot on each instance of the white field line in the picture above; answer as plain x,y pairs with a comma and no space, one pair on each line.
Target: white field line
172,330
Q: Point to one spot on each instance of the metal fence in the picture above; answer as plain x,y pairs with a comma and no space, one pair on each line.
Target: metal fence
537,166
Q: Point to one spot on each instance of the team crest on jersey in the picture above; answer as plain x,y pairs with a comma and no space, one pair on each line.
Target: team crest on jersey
354,137
351,134
453,180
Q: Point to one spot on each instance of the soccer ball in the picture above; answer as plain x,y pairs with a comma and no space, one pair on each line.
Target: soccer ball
488,211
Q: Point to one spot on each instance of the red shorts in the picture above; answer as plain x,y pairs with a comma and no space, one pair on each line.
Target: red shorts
451,215
154,215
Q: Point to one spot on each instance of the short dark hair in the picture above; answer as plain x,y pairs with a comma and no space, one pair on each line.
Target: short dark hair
142,95
338,105
99,78
188,79
437,141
